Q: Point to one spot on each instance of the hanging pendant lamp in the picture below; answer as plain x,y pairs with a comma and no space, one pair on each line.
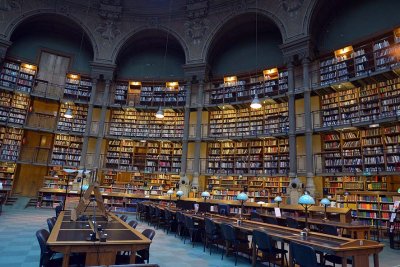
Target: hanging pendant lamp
256,103
160,113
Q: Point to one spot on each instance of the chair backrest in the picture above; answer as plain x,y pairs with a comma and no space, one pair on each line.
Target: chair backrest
330,230
133,224
45,253
157,211
167,215
124,218
254,215
189,223
262,240
149,233
51,222
303,255
210,227
292,223
152,210
223,209
58,210
228,232
271,220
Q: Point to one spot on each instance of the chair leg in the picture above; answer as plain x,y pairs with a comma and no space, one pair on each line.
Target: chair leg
205,244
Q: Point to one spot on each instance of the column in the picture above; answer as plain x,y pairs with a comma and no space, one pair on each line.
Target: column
97,157
308,126
88,123
186,129
292,123
196,163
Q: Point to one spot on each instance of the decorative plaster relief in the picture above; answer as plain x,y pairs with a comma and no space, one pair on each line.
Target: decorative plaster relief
292,6
196,29
110,12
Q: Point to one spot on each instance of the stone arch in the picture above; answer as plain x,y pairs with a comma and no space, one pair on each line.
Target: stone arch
135,32
219,29
19,20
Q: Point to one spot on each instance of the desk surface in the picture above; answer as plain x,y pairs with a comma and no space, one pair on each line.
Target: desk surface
67,232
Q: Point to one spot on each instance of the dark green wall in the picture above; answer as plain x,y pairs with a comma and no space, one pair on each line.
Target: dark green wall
29,45
149,63
240,55
357,19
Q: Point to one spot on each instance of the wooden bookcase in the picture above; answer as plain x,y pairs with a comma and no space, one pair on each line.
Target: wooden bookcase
67,150
258,157
7,172
130,123
271,83
13,107
370,208
271,119
361,104
18,76
373,150
77,123
10,143
259,188
77,87
148,157
133,93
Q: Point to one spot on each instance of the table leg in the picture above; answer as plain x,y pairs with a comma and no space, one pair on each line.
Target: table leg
290,259
132,258
360,261
376,260
253,255
66,260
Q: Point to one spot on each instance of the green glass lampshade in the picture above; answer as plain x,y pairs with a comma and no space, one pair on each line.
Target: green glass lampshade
398,190
242,196
85,187
325,202
205,194
170,192
278,199
306,200
179,193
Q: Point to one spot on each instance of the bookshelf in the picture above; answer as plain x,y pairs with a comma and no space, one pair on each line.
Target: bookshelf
77,123
271,119
259,188
147,157
10,143
7,172
371,150
67,150
370,208
338,68
362,104
170,94
13,107
77,87
132,123
18,76
272,82
258,157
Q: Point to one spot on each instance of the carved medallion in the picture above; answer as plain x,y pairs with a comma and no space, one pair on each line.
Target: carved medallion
196,29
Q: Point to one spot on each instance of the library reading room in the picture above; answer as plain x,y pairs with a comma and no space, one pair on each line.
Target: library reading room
212,133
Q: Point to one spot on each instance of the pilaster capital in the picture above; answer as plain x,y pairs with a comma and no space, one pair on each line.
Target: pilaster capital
196,71
4,45
102,69
297,50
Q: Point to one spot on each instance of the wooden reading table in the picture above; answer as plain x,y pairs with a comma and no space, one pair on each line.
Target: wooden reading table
70,237
359,249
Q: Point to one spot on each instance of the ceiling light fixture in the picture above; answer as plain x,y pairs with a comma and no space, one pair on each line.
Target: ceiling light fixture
160,113
68,114
256,103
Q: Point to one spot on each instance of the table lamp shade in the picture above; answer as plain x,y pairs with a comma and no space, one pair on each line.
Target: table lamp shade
325,202
242,196
398,190
70,170
205,194
260,202
179,193
278,199
85,187
170,192
1,186
306,200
